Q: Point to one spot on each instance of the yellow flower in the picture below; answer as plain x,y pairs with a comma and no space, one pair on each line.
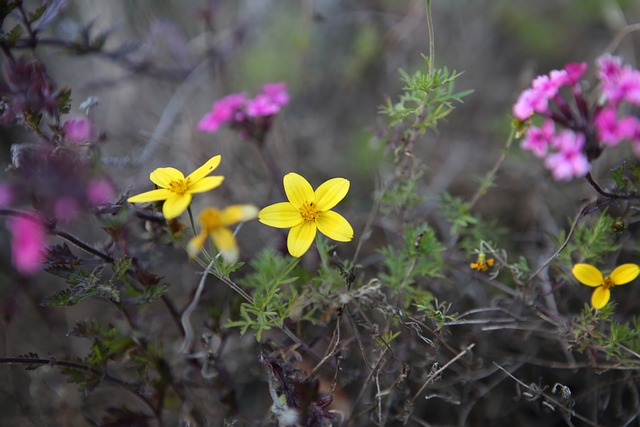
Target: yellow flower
214,224
176,190
591,276
308,211
482,264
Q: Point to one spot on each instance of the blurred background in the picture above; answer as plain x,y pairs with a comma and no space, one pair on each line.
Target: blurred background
164,63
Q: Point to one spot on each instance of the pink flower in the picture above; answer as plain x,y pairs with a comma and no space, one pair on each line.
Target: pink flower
6,195
66,209
609,67
537,139
261,106
523,108
548,86
78,130
619,83
610,130
222,111
575,70
276,93
99,192
27,245
569,161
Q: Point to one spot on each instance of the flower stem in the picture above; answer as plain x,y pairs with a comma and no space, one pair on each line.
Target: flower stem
193,226
432,48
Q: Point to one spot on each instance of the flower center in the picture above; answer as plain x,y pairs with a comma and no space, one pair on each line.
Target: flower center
309,212
179,186
607,283
210,219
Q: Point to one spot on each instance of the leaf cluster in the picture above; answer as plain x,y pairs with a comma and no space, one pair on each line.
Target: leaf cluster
270,304
420,255
425,99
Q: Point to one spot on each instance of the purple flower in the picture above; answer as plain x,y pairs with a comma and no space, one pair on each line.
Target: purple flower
537,139
570,161
66,209
6,195
575,70
99,192
28,242
276,93
78,130
222,111
240,111
610,130
261,106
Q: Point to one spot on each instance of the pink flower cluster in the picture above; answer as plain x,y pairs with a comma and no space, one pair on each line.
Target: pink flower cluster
78,130
573,134
240,111
28,242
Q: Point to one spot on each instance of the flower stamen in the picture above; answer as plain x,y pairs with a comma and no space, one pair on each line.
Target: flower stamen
309,212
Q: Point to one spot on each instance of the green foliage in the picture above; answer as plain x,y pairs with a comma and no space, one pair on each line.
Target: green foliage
270,304
84,286
590,333
419,256
626,177
592,241
426,99
437,311
401,197
457,212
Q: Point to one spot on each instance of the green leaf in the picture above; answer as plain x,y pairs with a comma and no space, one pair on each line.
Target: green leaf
37,14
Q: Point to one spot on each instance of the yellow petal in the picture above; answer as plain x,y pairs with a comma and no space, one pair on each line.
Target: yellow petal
600,297
330,193
225,242
151,196
195,245
204,170
175,205
335,226
162,177
587,275
280,215
205,184
624,273
238,213
300,238
298,189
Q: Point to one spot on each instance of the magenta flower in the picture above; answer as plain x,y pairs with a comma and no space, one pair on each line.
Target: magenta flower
276,93
537,139
610,130
248,116
99,192
222,111
575,70
261,106
28,242
66,209
6,195
78,130
570,161
575,132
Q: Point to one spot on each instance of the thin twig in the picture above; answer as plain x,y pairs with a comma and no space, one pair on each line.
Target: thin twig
581,213
435,374
185,320
551,399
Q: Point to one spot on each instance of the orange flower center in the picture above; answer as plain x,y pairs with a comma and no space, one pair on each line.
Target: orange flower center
309,212
607,283
179,186
210,219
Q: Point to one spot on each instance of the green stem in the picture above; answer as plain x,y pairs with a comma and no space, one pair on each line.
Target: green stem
193,225
432,46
